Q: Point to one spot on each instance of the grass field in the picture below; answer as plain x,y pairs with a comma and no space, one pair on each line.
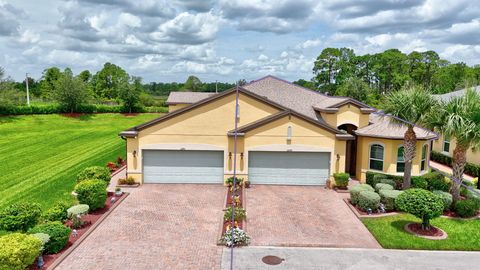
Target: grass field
389,232
40,155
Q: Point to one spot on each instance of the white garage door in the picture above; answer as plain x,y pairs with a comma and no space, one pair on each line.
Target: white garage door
165,166
288,168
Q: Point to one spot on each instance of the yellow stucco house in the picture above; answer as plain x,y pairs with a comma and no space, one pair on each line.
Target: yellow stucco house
446,145
286,134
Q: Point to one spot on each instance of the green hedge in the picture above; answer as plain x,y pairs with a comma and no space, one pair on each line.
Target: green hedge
58,233
20,216
95,172
466,208
341,179
446,197
387,197
368,200
92,192
430,181
355,191
381,186
84,108
371,179
470,169
419,182
18,251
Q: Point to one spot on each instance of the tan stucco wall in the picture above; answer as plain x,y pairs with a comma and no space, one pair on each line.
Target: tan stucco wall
390,156
174,107
347,114
472,157
205,127
305,137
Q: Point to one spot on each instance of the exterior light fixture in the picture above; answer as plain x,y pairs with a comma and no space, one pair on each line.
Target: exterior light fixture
241,155
230,155
134,153
338,157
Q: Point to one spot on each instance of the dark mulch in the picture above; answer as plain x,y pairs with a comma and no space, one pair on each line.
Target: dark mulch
90,219
417,228
229,202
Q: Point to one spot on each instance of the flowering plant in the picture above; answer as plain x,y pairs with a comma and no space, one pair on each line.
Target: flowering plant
240,237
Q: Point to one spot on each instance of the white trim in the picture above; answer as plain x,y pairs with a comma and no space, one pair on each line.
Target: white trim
289,148
369,156
134,171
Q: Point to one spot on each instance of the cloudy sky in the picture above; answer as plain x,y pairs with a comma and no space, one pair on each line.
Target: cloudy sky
225,40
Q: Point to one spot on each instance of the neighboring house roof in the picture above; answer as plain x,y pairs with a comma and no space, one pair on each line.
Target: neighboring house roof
446,97
381,127
187,97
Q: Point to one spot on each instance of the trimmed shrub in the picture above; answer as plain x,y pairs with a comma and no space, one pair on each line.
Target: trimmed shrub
474,194
58,235
129,181
368,199
240,214
79,209
95,172
376,179
419,182
20,216
396,178
229,181
420,203
18,251
466,208
381,186
446,197
56,213
470,169
436,181
341,179
387,197
92,192
355,191
463,190
389,181
45,238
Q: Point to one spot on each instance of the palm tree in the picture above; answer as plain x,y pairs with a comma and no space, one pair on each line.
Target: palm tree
409,107
459,118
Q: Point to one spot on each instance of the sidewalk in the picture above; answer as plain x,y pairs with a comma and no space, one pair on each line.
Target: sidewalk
446,169
349,258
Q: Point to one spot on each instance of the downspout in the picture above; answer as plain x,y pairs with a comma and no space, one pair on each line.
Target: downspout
126,157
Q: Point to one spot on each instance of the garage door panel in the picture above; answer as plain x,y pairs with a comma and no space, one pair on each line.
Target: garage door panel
289,168
165,166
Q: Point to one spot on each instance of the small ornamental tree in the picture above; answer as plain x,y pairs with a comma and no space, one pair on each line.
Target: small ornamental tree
420,203
92,192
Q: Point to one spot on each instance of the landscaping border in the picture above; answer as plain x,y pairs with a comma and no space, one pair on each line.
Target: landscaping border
442,237
119,170
86,234
360,215
244,222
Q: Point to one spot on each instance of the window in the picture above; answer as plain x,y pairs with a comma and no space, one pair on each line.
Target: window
400,159
289,133
376,157
238,111
423,163
446,144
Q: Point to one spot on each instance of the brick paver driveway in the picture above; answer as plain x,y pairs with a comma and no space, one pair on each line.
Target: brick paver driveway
303,216
157,227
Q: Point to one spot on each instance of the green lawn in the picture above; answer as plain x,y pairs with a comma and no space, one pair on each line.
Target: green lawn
389,232
40,155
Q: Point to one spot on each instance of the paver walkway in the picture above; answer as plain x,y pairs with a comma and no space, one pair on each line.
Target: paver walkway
303,216
156,227
350,258
446,169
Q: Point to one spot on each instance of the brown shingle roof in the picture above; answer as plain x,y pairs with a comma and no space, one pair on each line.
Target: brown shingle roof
381,127
187,97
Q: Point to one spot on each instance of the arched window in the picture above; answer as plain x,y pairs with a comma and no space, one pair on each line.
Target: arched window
446,144
400,159
423,163
376,157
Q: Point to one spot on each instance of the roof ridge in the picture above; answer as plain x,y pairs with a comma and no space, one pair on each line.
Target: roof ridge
285,81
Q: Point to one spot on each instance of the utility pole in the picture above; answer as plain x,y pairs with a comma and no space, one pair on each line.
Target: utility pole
28,94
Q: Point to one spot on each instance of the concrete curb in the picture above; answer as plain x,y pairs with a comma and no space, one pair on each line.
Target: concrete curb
119,170
87,233
444,236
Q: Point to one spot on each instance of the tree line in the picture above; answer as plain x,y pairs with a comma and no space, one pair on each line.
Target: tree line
339,71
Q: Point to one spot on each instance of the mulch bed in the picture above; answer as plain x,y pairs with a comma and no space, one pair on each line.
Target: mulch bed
417,228
361,212
90,219
229,202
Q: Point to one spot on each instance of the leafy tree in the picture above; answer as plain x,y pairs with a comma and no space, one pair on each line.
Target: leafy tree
241,82
355,88
411,104
420,203
108,81
332,67
391,70
459,119
130,94
70,91
192,84
85,76
50,77
306,84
